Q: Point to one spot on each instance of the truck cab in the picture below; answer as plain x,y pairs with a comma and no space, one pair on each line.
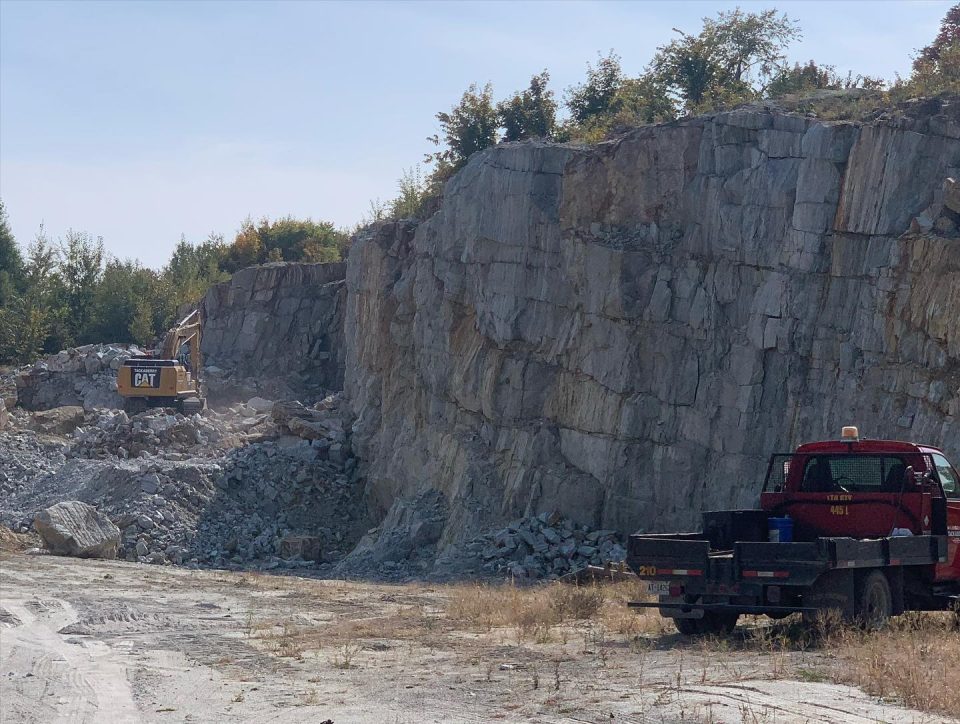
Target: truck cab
867,489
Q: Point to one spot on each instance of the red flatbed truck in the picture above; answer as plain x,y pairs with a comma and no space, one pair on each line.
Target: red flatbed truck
875,532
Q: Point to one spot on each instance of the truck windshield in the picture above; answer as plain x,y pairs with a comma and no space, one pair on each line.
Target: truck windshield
948,476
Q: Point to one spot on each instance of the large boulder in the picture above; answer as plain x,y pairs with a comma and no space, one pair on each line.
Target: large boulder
73,528
57,421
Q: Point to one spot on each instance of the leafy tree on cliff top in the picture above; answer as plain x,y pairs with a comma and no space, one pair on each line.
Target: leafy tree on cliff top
286,239
731,60
936,69
596,94
637,101
946,39
531,113
470,126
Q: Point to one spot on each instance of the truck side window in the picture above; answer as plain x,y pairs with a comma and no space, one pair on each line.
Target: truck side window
948,477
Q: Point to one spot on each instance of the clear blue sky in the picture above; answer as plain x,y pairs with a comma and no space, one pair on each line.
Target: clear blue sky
140,122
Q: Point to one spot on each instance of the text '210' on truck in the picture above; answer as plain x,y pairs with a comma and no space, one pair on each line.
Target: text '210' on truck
867,529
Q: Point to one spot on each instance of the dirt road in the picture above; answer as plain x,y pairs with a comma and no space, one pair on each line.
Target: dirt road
88,641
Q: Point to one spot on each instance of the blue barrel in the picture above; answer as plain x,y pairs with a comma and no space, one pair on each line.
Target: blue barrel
780,529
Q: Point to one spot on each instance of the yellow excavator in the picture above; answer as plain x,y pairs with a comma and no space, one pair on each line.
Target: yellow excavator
168,378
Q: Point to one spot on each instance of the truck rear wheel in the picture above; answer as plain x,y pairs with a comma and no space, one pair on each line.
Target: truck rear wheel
687,626
874,601
712,623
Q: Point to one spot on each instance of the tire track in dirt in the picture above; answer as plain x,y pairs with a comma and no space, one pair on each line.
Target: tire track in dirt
54,677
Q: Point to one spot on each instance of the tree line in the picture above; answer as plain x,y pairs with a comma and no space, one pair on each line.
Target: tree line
70,292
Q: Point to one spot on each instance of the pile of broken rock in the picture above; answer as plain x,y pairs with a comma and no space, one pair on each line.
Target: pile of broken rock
107,433
544,546
84,376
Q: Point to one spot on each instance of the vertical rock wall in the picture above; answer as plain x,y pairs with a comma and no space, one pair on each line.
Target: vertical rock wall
624,332
274,328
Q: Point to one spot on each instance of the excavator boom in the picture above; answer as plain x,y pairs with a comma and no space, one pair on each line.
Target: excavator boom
186,332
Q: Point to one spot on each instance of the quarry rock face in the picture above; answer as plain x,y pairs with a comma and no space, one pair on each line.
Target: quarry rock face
279,322
73,528
623,333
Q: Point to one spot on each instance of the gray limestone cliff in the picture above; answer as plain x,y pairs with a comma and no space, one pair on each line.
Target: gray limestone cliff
276,328
624,332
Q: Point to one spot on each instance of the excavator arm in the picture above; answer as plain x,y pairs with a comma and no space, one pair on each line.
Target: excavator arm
186,332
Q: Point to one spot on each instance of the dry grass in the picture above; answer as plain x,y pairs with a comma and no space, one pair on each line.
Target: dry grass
548,612
915,660
909,661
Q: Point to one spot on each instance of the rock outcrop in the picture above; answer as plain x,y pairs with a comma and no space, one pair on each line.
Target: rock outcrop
275,329
624,332
73,528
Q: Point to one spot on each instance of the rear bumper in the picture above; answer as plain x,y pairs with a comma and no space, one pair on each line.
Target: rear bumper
695,610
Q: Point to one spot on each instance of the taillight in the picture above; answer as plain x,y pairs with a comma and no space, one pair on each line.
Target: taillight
676,590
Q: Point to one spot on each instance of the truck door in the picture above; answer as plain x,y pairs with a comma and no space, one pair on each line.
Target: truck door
951,488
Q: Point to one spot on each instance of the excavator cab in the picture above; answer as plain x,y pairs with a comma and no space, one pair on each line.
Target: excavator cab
169,378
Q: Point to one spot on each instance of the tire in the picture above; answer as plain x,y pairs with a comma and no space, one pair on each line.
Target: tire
833,596
713,623
687,626
874,601
719,623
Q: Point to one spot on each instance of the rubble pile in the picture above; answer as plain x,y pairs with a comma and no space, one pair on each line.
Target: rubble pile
261,484
213,489
84,376
158,431
25,457
543,546
8,388
408,545
272,492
